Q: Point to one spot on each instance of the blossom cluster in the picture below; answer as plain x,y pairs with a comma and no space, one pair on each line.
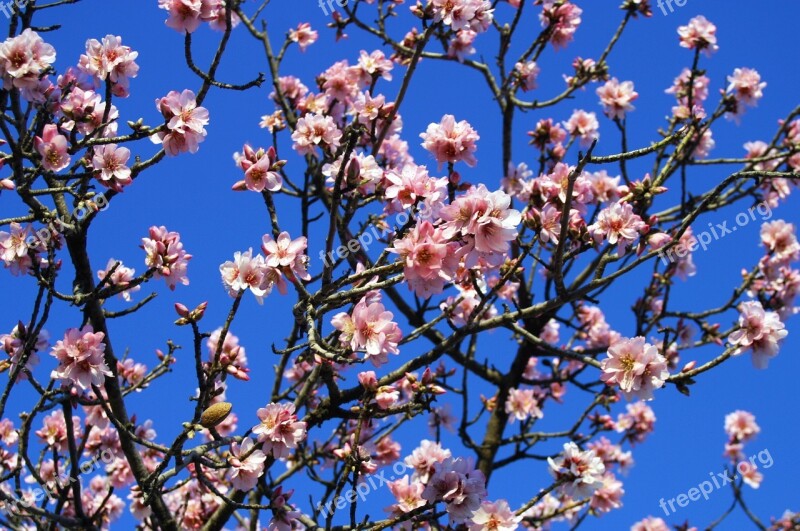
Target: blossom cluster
283,258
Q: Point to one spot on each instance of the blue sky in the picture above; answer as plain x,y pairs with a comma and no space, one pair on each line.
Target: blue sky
191,194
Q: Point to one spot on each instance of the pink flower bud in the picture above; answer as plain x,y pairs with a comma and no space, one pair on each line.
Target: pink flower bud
182,310
368,380
659,240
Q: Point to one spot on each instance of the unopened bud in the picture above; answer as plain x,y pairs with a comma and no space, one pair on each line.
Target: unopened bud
182,310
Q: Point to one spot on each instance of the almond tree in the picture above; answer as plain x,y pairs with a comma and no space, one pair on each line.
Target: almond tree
392,251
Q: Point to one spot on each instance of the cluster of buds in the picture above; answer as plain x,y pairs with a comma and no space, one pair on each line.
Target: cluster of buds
261,170
587,70
427,384
644,190
190,316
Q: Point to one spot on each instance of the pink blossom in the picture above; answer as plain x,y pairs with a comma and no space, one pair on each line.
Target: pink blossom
581,472
604,187
563,17
636,366
460,46
368,380
291,88
304,36
247,465
14,244
746,87
548,222
369,328
408,494
408,186
284,515
368,106
781,241
273,122
248,272
186,15
120,278
637,422
750,474
217,18
314,130
555,185
23,59
527,73
429,261
387,396
81,358
13,344
279,430
483,219
131,373
8,434
260,169
362,174
617,98
515,180
618,225
651,523
54,430
111,162
741,426
704,146
521,404
425,457
110,60
230,355
760,331
700,34
451,141
372,66
583,125
548,134
165,253
474,15
494,516
611,454
598,332
185,123
52,147
286,254
680,89
457,483
608,496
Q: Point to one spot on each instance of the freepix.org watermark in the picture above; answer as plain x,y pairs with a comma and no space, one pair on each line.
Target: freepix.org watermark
34,496
368,484
331,5
719,479
366,238
62,224
716,231
663,5
9,6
